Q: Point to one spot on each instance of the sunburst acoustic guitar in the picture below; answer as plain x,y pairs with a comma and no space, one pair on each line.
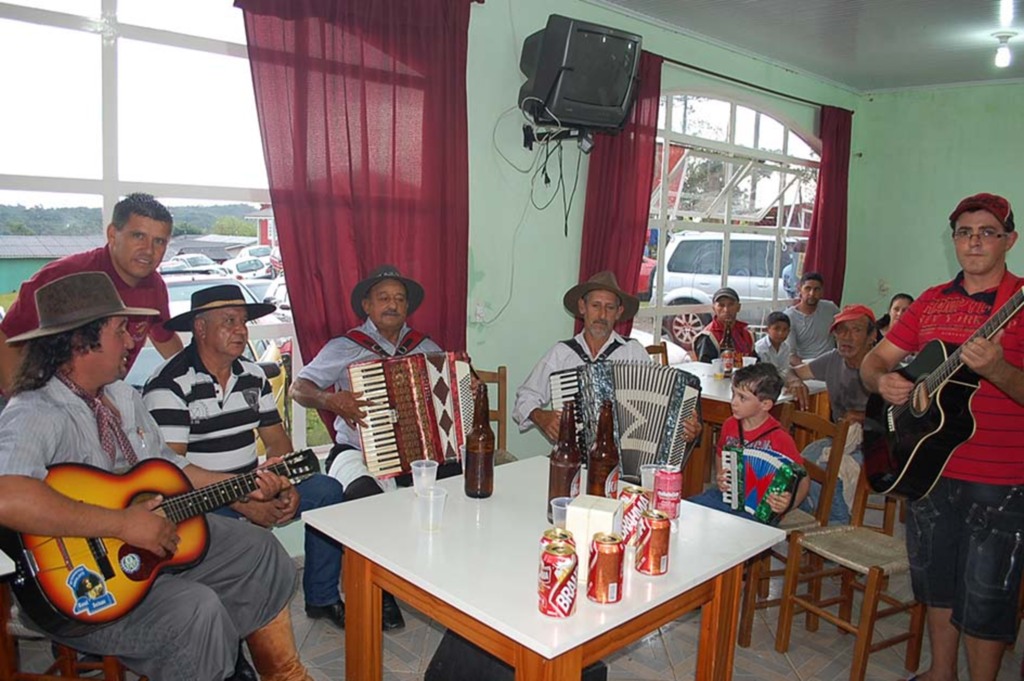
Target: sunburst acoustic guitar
68,585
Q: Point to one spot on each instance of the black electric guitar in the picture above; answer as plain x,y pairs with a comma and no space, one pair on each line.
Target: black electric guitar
68,585
906,447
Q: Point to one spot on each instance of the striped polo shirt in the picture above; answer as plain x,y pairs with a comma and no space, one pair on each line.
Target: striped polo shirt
219,425
994,453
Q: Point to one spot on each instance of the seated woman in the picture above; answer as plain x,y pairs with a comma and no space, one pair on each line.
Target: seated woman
899,303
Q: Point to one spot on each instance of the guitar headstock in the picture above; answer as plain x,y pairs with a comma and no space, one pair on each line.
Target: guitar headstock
300,465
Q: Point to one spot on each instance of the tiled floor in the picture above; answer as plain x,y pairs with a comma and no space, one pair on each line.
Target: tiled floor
665,655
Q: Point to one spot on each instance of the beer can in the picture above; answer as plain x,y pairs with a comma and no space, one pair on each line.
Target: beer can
634,503
668,489
604,581
652,540
556,580
555,534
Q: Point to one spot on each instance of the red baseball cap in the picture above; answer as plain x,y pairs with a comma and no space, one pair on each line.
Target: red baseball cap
851,312
993,203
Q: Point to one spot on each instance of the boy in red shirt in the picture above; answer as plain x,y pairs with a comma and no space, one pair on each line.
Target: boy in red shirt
755,389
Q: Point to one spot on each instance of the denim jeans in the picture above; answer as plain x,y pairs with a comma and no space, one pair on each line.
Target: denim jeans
322,570
839,514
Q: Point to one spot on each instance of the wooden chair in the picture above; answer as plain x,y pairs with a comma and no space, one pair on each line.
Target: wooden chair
760,572
498,378
66,665
660,352
866,560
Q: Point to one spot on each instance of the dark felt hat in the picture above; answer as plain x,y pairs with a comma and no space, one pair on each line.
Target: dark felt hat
213,297
75,300
602,281
413,291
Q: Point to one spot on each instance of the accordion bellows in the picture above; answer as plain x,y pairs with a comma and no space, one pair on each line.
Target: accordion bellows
423,409
651,403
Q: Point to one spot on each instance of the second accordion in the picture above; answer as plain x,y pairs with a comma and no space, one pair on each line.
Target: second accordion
650,404
422,409
756,473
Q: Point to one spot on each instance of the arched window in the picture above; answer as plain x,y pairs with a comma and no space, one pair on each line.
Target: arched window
731,205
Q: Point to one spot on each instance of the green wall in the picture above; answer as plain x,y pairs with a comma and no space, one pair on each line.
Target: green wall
520,262
14,271
916,153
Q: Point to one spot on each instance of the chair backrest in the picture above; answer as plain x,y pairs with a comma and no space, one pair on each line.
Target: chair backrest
660,352
815,427
498,378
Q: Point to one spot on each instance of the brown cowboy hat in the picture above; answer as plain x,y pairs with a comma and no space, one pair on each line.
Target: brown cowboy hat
602,281
413,291
213,297
75,300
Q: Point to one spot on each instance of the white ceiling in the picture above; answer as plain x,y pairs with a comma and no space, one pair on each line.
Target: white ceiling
866,45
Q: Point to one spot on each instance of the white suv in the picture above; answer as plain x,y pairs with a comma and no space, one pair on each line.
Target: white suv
693,272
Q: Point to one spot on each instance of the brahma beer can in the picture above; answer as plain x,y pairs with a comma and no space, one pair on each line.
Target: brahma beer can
604,581
556,582
668,489
557,534
634,503
652,539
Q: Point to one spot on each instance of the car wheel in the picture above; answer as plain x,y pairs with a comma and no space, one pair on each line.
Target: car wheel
683,328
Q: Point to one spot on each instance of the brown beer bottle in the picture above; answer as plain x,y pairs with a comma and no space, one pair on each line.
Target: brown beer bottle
566,459
727,352
479,463
603,463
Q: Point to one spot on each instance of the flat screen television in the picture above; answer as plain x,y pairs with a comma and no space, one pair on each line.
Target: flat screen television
579,75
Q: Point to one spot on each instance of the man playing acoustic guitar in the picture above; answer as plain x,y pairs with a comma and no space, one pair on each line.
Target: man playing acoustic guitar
964,536
70,407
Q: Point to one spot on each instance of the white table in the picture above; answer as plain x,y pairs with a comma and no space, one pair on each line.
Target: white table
715,398
478,577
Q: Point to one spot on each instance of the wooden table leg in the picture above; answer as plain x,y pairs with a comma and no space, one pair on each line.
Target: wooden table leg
532,667
364,639
718,627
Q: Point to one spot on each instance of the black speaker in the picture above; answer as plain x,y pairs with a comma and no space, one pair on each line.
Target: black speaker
456,659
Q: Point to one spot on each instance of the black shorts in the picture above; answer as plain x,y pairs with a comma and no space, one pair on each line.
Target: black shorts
965,541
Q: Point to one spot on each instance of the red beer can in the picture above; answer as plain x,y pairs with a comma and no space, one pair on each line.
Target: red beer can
652,539
604,581
668,489
557,534
634,503
556,580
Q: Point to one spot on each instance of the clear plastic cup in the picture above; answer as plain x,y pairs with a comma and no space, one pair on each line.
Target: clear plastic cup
430,505
424,475
647,476
559,507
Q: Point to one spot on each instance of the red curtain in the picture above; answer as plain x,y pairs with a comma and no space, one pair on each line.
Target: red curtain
826,246
619,189
362,110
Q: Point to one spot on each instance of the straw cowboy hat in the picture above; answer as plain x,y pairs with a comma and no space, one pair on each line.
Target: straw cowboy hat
75,300
413,291
213,297
602,281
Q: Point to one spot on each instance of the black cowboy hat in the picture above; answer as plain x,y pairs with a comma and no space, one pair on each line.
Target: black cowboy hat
213,297
413,291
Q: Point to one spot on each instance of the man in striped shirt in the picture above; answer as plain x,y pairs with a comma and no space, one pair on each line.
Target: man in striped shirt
964,538
210,403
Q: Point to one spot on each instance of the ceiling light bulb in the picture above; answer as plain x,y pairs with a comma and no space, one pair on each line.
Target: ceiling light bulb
1003,56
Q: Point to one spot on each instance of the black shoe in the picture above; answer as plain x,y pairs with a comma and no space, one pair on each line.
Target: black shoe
243,670
390,614
334,612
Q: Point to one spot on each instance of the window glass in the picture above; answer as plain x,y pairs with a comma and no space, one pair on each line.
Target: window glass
799,148
205,134
44,214
701,117
220,19
50,119
89,8
697,257
746,120
770,134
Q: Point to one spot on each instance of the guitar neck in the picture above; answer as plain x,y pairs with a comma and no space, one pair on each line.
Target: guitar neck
987,330
205,499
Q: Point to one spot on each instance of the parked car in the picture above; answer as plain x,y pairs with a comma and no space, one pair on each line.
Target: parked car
259,287
261,251
198,263
248,268
277,294
693,272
